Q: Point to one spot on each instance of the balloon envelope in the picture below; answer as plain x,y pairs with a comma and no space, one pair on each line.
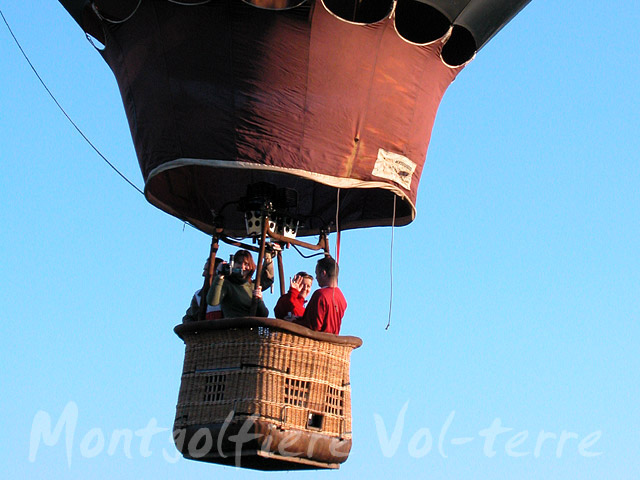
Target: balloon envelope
335,100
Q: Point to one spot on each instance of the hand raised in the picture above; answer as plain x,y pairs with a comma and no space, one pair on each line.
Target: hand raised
296,283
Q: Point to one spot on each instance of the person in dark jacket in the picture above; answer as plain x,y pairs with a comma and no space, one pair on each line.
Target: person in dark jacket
234,291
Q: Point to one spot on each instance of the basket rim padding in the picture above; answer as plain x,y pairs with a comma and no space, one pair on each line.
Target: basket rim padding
273,323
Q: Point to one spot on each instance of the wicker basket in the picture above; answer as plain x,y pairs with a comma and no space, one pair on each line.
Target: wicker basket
265,394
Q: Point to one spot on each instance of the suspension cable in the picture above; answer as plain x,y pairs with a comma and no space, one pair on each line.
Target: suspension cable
393,225
63,110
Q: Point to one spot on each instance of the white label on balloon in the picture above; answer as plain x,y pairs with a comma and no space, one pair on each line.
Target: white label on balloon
395,167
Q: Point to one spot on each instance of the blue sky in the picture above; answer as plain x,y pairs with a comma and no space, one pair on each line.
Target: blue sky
515,291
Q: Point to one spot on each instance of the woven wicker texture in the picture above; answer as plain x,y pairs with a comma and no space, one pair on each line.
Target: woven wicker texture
288,379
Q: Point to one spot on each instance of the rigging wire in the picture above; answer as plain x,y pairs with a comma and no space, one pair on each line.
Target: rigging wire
113,21
63,110
337,228
393,225
337,259
306,256
189,4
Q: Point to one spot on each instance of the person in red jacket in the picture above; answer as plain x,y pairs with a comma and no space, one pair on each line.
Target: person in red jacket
291,304
327,305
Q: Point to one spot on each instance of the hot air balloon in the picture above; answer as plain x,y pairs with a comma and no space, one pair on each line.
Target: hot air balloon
277,120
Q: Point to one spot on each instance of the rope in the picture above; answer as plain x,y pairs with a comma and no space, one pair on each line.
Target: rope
393,224
114,22
188,4
63,110
337,228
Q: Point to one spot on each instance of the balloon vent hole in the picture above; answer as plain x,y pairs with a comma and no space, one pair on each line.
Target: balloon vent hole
420,23
460,48
360,11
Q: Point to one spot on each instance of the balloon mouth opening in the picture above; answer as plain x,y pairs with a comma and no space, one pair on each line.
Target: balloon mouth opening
320,205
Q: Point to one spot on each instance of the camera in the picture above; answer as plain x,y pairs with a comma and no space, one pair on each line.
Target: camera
225,269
